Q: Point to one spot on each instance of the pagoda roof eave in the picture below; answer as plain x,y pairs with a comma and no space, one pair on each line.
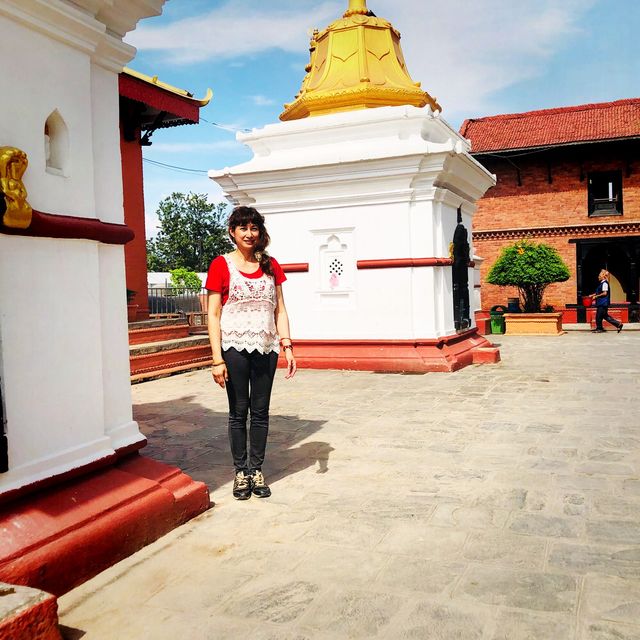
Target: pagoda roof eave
177,104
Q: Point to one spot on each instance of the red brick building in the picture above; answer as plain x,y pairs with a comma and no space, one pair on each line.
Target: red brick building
569,177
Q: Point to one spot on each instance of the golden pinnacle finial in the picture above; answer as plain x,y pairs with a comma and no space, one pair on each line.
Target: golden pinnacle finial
356,7
356,63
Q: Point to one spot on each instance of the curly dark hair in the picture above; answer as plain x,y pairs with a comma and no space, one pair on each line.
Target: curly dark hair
243,216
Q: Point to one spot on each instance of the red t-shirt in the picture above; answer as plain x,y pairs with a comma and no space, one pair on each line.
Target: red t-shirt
218,276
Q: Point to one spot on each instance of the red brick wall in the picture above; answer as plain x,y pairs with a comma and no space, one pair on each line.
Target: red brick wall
537,203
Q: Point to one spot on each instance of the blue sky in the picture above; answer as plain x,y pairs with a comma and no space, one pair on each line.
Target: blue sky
477,58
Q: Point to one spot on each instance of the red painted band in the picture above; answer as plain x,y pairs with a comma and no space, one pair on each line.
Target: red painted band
46,225
295,267
394,263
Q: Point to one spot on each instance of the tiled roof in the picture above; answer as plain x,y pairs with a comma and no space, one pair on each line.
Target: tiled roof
564,125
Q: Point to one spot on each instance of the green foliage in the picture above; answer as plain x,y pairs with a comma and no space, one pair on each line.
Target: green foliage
530,267
182,278
192,233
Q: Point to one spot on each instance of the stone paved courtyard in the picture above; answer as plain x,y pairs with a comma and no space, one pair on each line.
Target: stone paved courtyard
496,503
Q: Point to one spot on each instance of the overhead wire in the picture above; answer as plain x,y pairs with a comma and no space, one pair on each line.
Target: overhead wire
224,126
173,167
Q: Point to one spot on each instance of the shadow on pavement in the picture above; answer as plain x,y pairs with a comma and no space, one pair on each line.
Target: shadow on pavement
194,438
69,633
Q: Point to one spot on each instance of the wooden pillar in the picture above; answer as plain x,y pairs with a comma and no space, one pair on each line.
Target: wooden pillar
133,191
581,311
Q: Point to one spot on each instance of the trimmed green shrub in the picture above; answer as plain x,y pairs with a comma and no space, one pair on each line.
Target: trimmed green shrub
531,268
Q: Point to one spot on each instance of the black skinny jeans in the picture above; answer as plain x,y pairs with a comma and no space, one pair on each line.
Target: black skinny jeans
602,313
249,389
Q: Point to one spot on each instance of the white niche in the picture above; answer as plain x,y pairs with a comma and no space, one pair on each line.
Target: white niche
56,144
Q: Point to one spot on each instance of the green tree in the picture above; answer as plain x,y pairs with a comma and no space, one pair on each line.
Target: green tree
532,268
192,233
182,278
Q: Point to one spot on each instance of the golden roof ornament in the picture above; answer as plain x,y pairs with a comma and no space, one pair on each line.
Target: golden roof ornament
356,63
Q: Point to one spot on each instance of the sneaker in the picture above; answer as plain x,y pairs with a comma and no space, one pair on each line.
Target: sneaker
600,331
242,486
620,327
258,485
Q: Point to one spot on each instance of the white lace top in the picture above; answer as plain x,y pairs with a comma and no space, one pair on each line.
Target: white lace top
248,316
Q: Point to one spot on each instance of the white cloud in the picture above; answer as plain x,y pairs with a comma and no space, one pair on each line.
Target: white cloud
462,52
237,28
262,101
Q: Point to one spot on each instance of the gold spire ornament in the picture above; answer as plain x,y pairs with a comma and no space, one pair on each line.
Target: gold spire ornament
356,63
13,164
357,7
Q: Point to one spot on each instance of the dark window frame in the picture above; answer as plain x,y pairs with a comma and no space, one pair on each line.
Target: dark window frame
599,203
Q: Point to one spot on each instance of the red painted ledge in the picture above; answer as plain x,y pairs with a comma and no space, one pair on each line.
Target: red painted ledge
95,465
397,356
35,616
47,225
394,263
59,538
295,267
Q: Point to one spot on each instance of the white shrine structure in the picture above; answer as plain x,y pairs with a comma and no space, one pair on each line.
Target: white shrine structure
75,496
363,186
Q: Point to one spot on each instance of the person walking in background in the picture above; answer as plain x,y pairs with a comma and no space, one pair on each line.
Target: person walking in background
602,298
248,323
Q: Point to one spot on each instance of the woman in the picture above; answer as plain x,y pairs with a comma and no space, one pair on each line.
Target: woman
602,297
248,323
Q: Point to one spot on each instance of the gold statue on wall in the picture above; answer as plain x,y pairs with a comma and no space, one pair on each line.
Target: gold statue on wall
17,211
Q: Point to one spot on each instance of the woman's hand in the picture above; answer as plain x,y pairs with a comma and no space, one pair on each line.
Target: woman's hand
291,363
219,373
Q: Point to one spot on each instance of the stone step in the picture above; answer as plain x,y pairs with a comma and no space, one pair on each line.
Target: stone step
158,359
156,322
157,331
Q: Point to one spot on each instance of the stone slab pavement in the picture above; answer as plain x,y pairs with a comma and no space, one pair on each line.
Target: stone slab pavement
500,502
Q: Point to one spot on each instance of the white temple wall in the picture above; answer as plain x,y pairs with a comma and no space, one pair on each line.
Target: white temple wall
52,356
397,303
118,418
60,79
375,184
107,164
63,327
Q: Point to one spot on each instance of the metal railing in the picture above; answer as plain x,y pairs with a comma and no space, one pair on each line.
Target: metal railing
177,301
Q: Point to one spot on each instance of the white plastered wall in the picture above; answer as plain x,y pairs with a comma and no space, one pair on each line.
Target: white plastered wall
63,331
395,176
